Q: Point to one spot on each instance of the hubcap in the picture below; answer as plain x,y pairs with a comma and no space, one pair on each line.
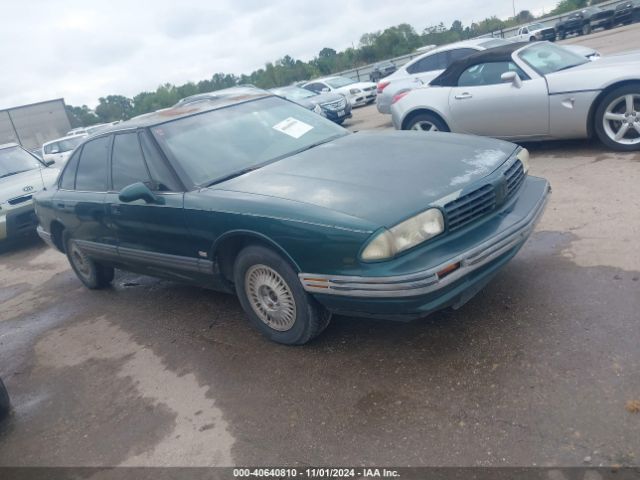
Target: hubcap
80,261
425,126
270,297
621,120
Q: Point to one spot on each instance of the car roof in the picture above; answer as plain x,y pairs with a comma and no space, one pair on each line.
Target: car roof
471,43
203,103
81,135
503,53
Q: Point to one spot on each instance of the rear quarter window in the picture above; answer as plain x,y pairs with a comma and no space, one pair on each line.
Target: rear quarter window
92,167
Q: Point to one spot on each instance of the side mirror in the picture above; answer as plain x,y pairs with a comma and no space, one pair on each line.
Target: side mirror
139,191
511,77
49,162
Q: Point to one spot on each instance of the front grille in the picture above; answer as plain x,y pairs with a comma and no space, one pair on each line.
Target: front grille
514,177
17,200
337,105
470,207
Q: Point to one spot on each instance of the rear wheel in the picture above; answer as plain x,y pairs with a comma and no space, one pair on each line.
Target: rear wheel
91,273
586,29
272,296
617,119
532,39
427,122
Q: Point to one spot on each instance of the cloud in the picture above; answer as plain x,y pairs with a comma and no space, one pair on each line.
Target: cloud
82,50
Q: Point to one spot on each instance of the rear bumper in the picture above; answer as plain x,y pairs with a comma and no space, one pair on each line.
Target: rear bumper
424,291
17,221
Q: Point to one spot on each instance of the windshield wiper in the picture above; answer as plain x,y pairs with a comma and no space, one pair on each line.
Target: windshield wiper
231,175
14,173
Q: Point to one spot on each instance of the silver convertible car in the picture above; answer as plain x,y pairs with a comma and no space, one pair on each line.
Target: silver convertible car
530,91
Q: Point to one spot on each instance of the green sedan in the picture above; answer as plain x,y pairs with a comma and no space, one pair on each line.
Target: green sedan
249,193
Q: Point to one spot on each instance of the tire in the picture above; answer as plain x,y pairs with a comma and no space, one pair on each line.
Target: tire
5,405
92,274
586,29
615,103
425,119
285,313
532,39
562,35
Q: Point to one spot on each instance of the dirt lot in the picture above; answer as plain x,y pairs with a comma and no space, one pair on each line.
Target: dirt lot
536,370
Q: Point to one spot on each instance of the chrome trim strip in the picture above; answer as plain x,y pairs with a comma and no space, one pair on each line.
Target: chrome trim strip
46,236
426,281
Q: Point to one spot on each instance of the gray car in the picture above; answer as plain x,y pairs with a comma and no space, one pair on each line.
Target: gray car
334,106
532,91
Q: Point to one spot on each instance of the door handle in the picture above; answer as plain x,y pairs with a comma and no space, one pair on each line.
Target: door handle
115,209
463,96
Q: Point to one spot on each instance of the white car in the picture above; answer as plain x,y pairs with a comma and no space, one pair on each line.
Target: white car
534,32
91,130
358,93
59,150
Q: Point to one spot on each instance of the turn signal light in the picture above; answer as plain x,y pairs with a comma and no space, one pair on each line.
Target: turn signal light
382,86
448,269
399,96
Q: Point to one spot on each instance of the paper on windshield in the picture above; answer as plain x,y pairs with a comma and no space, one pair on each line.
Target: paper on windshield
292,127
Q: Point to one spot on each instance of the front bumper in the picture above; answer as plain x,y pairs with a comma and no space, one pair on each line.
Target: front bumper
362,98
421,292
17,220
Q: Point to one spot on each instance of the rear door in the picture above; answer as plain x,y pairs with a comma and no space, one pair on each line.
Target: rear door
482,104
153,235
80,199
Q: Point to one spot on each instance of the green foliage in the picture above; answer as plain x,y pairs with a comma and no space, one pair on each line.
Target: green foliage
373,47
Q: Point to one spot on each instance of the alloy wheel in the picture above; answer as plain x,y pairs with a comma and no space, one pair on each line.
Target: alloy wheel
621,120
425,126
80,260
270,297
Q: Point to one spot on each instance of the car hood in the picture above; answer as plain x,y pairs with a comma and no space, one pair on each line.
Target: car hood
26,183
359,85
596,75
311,102
380,177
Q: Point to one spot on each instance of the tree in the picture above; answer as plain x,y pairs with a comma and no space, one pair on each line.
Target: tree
81,116
114,107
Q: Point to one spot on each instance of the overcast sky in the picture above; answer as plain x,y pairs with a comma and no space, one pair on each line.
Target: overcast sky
81,50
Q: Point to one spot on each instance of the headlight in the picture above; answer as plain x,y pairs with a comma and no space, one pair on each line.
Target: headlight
353,91
318,109
405,235
523,156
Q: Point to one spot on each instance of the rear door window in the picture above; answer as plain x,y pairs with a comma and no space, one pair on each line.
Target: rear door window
68,180
92,169
437,61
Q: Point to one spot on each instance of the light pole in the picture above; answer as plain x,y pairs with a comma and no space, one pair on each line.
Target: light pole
513,4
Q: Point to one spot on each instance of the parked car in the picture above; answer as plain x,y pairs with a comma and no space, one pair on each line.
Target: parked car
626,13
21,176
381,70
424,68
256,195
59,150
91,129
534,32
5,404
334,106
584,21
358,93
531,91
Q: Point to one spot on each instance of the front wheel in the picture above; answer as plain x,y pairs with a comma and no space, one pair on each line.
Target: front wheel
617,118
586,29
532,39
92,274
427,122
272,296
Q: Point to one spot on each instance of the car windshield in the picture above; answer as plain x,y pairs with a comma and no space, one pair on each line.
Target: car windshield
294,93
15,160
547,58
339,82
64,145
217,145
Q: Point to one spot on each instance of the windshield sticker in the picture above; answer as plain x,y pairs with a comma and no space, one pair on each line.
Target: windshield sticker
293,127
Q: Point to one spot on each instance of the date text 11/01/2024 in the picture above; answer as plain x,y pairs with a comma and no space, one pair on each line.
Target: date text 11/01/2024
321,472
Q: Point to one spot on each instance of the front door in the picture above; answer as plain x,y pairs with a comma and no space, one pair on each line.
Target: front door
151,234
482,104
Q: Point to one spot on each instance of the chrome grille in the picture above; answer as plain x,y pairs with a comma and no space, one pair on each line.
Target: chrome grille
17,200
337,105
470,207
514,177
